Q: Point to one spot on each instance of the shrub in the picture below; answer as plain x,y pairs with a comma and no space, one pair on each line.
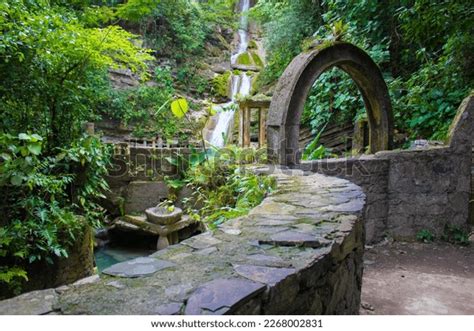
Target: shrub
46,200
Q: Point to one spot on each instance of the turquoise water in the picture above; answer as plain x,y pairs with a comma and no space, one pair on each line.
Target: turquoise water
108,256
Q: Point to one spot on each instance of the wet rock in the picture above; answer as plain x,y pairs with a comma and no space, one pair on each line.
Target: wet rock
271,267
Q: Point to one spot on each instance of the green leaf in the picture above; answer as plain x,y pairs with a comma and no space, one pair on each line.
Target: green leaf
24,136
212,110
172,161
16,180
179,108
35,148
175,183
36,137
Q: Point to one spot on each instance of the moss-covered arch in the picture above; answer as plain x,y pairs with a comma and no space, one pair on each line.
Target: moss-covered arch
294,86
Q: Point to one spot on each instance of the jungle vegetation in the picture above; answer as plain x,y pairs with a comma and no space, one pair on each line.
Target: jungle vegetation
55,57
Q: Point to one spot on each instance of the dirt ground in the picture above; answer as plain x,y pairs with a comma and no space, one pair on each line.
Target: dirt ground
416,278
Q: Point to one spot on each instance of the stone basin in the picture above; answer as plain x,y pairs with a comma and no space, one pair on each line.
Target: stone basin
162,216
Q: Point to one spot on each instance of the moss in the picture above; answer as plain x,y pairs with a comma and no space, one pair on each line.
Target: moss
244,59
253,44
220,84
256,59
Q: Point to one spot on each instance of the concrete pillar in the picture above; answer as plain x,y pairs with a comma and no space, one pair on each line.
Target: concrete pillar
262,127
241,126
89,127
246,131
361,137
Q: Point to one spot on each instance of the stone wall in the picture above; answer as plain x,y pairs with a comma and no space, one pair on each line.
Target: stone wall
136,178
142,163
411,190
471,203
299,252
369,172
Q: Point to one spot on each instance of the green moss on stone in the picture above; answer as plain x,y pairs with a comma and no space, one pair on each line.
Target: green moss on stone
244,59
253,44
256,59
220,84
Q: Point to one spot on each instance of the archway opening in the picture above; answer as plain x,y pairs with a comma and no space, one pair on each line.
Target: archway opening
291,93
334,120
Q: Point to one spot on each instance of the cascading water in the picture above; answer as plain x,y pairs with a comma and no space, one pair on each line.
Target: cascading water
240,84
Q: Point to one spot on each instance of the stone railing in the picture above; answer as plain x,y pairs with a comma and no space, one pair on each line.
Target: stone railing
299,252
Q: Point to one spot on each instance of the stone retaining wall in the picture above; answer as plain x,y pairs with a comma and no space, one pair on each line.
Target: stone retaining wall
412,190
371,174
136,177
471,203
299,252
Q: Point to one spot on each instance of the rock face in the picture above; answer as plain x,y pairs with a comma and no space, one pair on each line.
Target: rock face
299,252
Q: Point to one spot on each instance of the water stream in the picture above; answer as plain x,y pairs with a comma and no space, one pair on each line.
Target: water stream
240,84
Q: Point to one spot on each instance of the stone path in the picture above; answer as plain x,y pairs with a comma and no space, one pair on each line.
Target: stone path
299,252
414,278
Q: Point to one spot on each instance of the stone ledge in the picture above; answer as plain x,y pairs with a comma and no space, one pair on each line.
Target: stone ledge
299,252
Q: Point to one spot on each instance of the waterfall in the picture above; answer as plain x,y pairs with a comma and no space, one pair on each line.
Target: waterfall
240,84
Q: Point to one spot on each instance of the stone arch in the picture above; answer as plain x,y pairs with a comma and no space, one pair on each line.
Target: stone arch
290,95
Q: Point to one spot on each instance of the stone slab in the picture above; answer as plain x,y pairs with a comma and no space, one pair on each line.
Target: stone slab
201,242
221,296
294,238
169,309
32,303
139,267
265,275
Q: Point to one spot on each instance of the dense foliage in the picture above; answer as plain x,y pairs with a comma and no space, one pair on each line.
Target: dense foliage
425,49
223,187
55,63
46,200
177,28
53,57
50,63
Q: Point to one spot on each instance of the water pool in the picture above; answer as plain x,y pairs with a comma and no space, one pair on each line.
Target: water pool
110,255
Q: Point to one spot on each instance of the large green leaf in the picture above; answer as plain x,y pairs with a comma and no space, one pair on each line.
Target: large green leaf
24,136
35,148
16,180
179,107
